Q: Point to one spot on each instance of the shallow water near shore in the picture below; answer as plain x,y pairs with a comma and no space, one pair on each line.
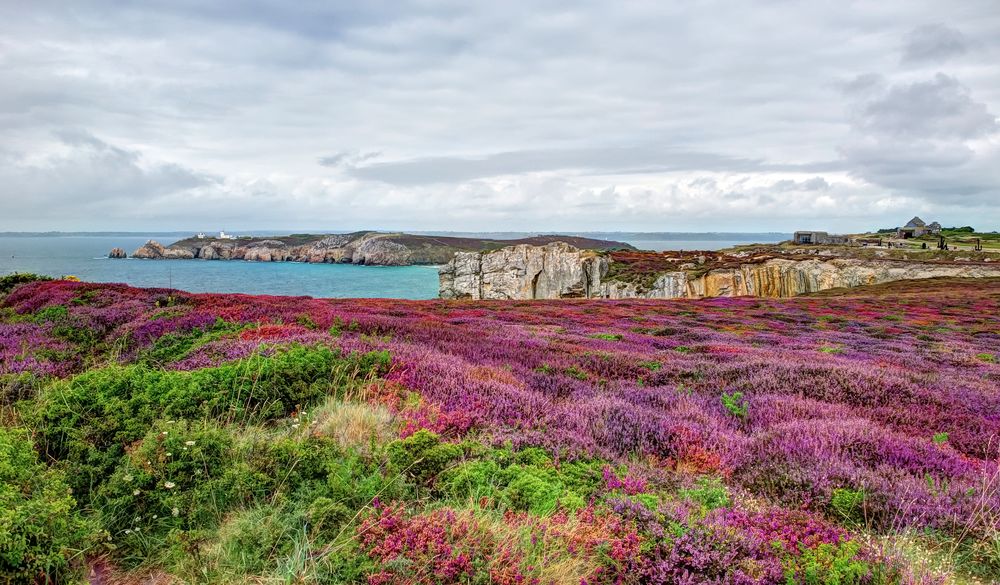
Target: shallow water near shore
86,258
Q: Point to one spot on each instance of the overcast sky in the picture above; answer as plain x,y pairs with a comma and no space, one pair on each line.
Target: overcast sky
538,115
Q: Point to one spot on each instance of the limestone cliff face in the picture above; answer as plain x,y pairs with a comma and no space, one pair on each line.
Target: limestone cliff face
153,250
561,271
552,271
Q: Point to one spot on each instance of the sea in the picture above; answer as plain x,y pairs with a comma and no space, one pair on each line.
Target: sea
85,257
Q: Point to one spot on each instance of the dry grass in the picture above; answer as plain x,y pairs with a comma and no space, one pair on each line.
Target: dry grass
354,425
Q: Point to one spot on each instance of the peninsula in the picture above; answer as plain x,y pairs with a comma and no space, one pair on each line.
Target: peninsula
363,247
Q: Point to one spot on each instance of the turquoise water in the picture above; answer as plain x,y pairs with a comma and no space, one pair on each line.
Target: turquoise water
86,257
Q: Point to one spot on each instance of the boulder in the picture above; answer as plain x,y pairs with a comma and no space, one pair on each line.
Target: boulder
117,253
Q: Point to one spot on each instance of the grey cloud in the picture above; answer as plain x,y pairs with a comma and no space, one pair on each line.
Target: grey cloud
594,161
939,108
813,184
590,113
933,43
346,157
916,138
91,175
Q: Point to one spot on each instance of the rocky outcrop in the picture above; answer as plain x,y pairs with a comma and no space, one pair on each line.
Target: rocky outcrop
117,253
374,248
153,250
552,271
560,271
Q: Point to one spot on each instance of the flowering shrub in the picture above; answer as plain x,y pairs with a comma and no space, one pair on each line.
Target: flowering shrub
664,427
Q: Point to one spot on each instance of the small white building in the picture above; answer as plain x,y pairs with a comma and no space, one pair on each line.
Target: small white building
224,236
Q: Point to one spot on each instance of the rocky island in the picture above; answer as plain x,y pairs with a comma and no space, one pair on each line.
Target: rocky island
365,247
559,270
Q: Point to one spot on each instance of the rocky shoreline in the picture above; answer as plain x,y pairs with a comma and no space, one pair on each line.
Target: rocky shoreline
368,248
560,271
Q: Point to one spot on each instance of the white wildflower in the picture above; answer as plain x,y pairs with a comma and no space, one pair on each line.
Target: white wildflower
174,512
189,443
128,531
169,485
169,454
128,477
135,492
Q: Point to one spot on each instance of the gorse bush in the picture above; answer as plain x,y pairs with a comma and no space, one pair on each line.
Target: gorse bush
40,526
89,420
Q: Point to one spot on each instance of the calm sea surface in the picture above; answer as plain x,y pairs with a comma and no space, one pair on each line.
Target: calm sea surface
86,258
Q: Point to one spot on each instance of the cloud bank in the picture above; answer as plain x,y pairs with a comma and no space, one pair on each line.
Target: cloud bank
544,116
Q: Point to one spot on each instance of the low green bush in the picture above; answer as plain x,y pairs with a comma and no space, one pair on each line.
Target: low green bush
422,455
8,282
89,420
736,404
709,492
40,528
848,504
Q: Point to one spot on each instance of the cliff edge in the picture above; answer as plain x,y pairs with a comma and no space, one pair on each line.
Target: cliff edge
558,270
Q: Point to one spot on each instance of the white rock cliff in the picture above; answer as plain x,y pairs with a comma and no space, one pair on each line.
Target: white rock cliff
558,270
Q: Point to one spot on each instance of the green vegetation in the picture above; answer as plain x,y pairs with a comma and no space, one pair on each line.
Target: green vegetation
736,404
8,282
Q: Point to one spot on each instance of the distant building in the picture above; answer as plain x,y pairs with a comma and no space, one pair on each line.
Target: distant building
224,236
916,228
201,235
818,238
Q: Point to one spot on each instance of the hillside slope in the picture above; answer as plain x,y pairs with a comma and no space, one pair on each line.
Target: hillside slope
234,439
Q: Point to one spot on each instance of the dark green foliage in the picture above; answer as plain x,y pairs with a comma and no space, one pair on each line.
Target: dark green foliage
526,480
7,283
89,420
181,477
422,455
607,336
39,524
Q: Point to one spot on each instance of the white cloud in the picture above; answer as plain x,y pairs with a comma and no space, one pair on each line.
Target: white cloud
517,115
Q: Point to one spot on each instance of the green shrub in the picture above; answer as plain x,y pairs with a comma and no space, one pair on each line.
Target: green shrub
736,404
8,282
829,564
422,455
606,336
848,504
90,419
940,438
181,477
710,492
39,525
987,357
531,489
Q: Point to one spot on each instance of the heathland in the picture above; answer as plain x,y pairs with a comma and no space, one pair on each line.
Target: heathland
150,435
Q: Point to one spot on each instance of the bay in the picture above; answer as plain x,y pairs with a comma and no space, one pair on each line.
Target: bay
85,256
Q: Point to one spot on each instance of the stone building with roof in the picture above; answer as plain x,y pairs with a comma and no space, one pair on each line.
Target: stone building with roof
916,228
